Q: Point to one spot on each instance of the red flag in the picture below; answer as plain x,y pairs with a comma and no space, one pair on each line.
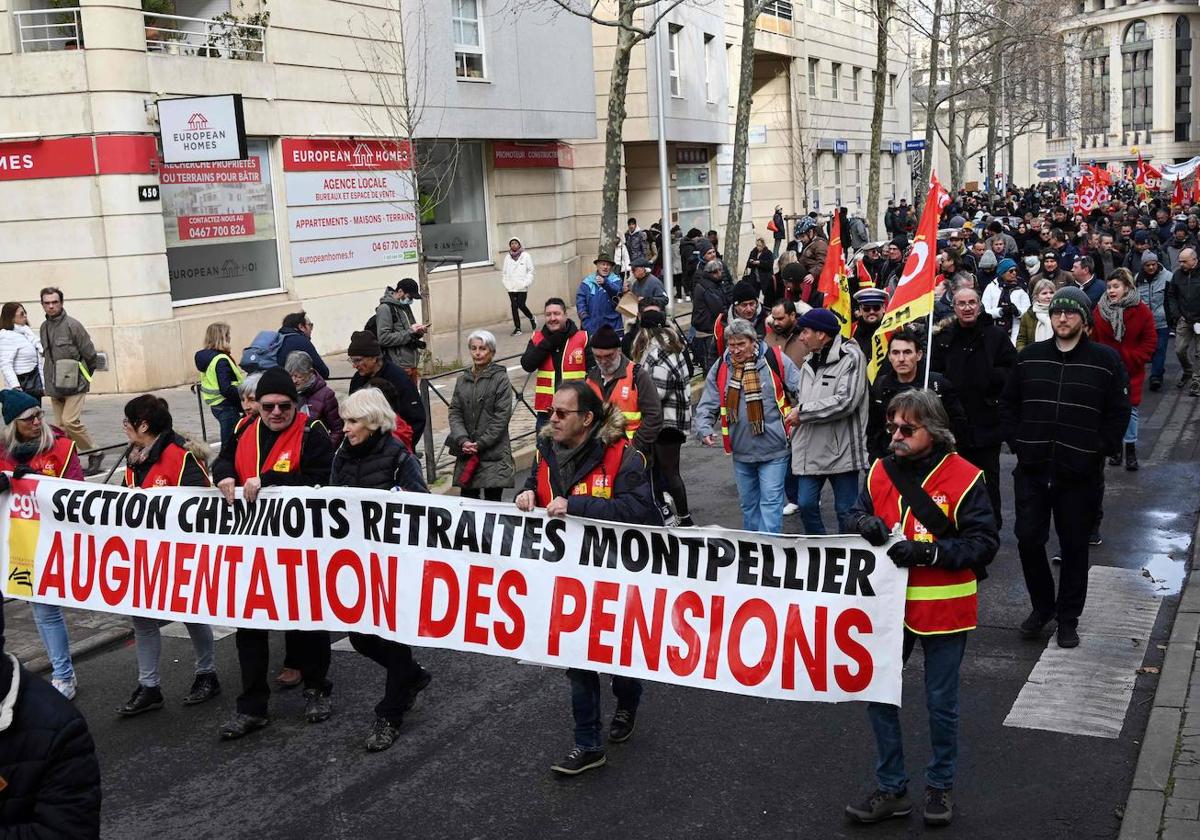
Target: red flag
1177,195
1196,188
832,284
1148,180
865,281
1101,175
1086,195
1062,195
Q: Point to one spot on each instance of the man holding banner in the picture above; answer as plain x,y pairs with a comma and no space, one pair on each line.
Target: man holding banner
280,448
586,466
939,502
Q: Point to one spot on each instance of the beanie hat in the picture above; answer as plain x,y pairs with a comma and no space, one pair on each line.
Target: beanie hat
744,290
15,403
276,381
901,242
988,260
364,343
1072,299
605,338
1141,236
821,320
1032,264
1149,257
1005,265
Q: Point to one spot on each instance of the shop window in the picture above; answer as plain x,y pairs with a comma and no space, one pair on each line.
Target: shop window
452,200
468,39
695,196
673,58
219,221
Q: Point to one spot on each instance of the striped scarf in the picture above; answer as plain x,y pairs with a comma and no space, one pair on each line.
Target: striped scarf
743,379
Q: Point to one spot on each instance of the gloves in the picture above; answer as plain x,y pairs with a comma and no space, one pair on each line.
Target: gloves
21,470
912,553
873,530
5,483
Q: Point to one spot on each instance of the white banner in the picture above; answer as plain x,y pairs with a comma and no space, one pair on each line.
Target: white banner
331,188
793,618
322,256
308,223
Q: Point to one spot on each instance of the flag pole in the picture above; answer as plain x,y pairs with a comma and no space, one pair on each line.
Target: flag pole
929,345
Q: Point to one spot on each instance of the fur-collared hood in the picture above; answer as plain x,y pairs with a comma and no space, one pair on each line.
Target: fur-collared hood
611,429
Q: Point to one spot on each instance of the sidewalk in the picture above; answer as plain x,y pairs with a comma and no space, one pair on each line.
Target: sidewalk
1164,801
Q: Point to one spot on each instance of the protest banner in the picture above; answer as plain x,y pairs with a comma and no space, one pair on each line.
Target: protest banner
794,618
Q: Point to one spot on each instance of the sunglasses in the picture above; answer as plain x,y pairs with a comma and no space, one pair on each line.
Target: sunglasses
272,407
905,429
871,307
561,413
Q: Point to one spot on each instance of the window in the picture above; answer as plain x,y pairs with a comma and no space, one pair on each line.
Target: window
219,220
781,9
855,84
1137,78
891,91
468,39
814,69
695,196
835,82
673,58
858,180
710,93
836,160
1094,87
451,186
1183,80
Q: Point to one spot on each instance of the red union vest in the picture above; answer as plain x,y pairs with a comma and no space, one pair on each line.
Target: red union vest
625,398
573,367
53,462
167,471
284,456
775,365
937,600
599,482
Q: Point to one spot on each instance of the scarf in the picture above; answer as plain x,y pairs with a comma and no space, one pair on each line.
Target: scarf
744,379
1043,330
517,254
1114,313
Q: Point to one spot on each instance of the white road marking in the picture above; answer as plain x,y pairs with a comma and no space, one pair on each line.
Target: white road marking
1086,691
176,630
343,644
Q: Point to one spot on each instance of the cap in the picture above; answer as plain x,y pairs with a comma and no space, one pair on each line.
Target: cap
276,381
409,287
364,343
641,263
821,320
871,297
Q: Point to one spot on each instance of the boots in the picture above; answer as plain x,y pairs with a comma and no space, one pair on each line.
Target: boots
1115,460
1131,461
95,464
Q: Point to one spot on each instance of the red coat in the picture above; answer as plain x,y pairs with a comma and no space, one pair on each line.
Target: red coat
1136,347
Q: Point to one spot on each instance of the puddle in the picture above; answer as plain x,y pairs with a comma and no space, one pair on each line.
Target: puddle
1166,574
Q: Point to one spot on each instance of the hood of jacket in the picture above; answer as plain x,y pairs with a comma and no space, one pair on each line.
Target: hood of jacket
610,430
390,300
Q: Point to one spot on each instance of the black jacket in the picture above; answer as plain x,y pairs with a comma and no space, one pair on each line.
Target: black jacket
1183,297
977,362
380,463
294,340
411,407
708,302
886,386
47,759
1063,412
316,456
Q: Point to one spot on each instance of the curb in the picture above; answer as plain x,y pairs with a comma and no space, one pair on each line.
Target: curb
1147,796
41,664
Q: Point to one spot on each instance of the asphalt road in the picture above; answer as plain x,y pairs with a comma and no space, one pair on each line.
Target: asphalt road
474,755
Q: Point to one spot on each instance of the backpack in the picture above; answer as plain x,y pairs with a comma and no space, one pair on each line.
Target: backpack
372,325
262,352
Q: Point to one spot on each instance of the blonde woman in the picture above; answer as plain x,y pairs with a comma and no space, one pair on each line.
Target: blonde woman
219,378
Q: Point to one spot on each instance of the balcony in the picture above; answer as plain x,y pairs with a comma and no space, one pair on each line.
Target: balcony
219,37
47,30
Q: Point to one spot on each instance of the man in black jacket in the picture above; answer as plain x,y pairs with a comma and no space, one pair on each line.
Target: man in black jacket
708,303
1064,408
1183,315
976,356
366,357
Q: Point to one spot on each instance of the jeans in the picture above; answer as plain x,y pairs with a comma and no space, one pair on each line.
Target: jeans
148,639
52,627
775,249
311,649
1131,429
1074,506
845,493
585,703
227,417
943,656
760,489
402,673
791,488
1158,362
704,352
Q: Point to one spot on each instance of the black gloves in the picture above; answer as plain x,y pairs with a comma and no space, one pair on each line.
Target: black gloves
873,530
5,483
912,553
21,470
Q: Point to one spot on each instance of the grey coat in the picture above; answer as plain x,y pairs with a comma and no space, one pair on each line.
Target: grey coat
831,434
393,326
65,338
480,411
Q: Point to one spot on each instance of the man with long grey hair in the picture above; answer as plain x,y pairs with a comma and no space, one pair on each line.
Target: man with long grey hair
938,502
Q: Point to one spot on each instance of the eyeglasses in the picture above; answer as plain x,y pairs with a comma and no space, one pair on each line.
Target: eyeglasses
37,415
905,429
561,413
281,407
966,304
355,361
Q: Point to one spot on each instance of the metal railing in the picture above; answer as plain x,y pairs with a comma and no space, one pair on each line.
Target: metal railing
205,37
47,30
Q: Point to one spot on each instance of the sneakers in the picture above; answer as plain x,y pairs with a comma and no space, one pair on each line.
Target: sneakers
939,806
1155,383
317,705
579,760
516,331
880,805
421,683
241,725
1093,539
1068,636
289,678
1032,627
382,735
145,698
66,688
204,687
622,726
791,508
685,522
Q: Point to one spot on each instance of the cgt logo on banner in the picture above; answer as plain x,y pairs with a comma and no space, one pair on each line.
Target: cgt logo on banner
786,617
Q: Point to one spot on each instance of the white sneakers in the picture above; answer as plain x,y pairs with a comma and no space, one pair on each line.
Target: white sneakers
65,687
790,508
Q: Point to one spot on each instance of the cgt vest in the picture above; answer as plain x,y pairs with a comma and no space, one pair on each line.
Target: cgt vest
52,462
775,365
167,471
937,600
573,367
284,456
209,388
625,398
598,483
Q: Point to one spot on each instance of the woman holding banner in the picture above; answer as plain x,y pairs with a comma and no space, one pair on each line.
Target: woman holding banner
370,456
158,457
28,442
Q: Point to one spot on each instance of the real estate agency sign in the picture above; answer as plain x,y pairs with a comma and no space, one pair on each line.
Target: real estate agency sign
351,204
202,128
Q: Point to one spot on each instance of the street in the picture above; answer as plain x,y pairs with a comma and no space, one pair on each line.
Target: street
474,753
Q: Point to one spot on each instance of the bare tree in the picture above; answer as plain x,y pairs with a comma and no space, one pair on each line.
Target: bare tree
751,9
882,12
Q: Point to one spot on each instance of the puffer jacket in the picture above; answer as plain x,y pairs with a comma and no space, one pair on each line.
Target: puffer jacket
832,401
380,463
518,273
20,352
47,760
318,401
595,303
393,325
480,411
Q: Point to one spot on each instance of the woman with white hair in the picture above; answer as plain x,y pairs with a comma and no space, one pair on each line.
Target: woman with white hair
317,399
370,456
28,443
480,411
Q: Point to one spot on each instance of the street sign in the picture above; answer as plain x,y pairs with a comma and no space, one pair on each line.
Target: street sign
149,192
840,147
914,145
897,147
